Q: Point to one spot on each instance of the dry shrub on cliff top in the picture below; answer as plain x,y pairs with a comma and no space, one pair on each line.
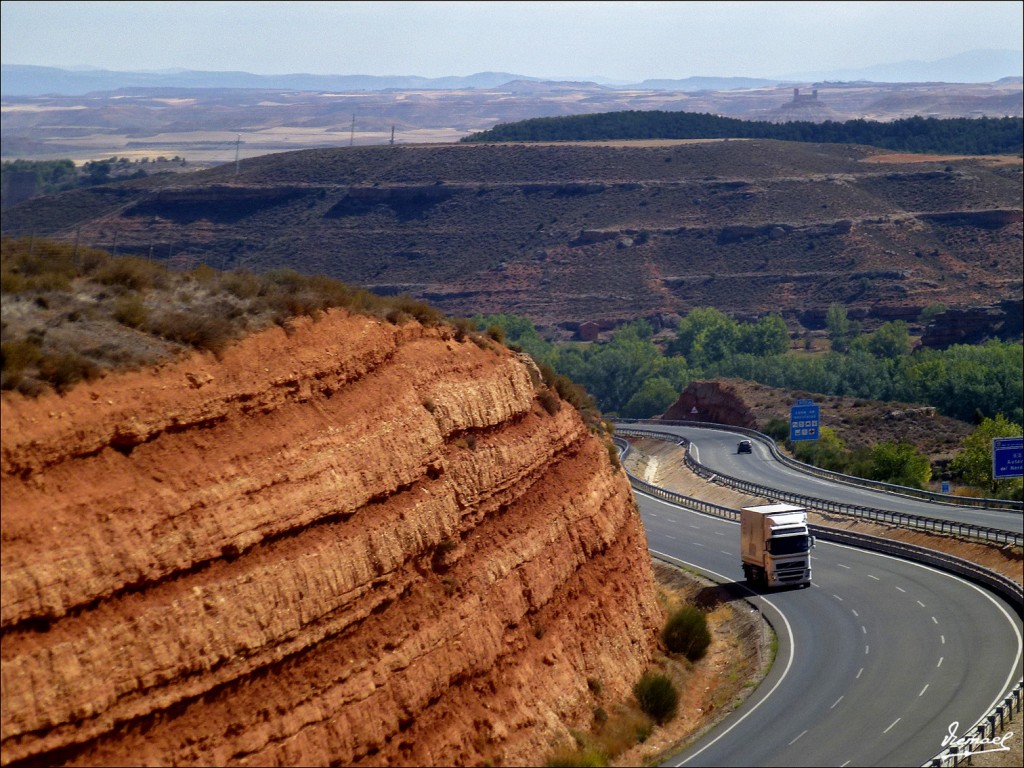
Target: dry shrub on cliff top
70,313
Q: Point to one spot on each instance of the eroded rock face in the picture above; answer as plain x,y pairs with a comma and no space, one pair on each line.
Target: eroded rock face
357,543
711,401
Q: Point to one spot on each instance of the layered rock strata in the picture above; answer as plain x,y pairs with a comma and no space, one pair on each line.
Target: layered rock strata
352,543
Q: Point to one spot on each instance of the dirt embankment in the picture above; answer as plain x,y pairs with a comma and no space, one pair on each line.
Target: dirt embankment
353,543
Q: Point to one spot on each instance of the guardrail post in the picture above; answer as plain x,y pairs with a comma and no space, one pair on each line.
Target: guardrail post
991,725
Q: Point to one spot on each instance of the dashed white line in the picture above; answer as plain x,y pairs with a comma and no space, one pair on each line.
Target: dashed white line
860,672
943,639
923,690
940,661
934,620
867,649
836,702
873,577
863,629
837,597
921,604
855,613
795,740
847,567
893,725
901,589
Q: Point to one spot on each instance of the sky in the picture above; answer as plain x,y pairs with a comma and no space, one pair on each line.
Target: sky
627,41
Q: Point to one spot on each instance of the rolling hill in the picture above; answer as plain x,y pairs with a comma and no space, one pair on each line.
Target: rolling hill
570,233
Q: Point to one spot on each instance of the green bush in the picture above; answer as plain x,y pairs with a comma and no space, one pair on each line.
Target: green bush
65,369
133,272
16,357
686,632
549,401
777,429
657,696
202,332
497,333
129,310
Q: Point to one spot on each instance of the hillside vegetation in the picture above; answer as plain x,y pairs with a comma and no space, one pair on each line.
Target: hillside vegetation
567,234
980,136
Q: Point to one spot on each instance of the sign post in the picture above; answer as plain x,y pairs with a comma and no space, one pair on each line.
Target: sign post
1007,457
803,421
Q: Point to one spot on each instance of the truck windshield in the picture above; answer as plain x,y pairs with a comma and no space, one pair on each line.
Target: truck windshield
789,545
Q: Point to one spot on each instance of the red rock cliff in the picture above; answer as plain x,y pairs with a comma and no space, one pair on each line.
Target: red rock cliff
354,543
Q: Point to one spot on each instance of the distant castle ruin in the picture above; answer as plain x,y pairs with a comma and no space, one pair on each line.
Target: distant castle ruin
804,106
803,100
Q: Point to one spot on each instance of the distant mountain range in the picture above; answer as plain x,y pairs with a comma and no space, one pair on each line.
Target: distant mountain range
979,66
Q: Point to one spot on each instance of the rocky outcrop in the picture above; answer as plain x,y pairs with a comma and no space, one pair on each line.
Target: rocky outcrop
715,402
974,325
352,543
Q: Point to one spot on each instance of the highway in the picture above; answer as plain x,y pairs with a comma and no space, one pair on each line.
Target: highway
877,661
716,449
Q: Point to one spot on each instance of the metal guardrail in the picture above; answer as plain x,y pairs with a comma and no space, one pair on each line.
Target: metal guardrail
839,477
983,732
903,519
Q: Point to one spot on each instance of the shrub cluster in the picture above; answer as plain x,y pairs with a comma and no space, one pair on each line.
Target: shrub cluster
202,309
657,696
686,632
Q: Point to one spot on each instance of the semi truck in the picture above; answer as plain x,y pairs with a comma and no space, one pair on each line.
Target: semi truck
775,545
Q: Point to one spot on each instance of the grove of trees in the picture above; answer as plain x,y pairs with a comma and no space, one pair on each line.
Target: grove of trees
959,135
632,376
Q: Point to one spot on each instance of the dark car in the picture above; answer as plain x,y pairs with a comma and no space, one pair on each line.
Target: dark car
744,447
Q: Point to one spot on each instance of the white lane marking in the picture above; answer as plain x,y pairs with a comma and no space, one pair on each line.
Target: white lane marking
855,613
671,537
860,672
836,702
923,690
1011,674
934,620
847,567
893,725
940,661
837,597
921,604
794,741
943,639
867,649
873,577
863,629
782,677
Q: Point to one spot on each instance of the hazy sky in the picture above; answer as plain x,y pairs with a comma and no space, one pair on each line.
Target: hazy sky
573,40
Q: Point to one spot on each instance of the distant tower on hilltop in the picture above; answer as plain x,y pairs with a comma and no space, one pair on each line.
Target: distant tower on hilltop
805,99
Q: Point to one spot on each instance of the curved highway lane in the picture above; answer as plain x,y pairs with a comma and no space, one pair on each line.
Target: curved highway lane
716,450
877,660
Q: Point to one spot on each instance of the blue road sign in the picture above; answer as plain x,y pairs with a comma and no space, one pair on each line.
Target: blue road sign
803,421
1007,457
945,486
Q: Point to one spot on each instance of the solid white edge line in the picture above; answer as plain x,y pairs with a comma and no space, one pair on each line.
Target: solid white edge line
785,671
1011,675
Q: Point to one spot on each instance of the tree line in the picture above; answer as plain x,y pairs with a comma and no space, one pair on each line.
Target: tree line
633,376
958,135
48,177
